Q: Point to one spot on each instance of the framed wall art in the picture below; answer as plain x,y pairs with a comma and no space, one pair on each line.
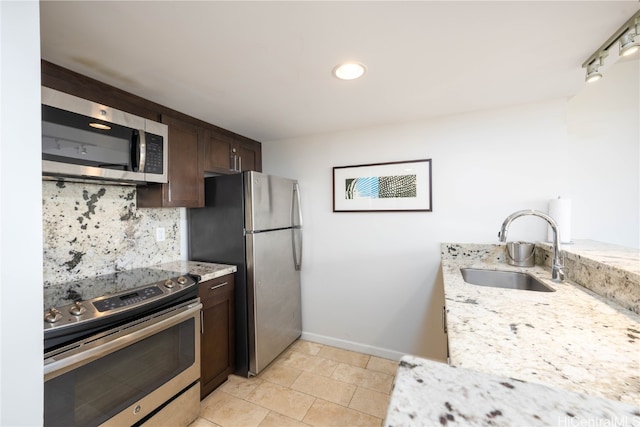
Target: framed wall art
383,187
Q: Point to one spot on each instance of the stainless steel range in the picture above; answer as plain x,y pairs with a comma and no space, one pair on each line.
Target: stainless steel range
123,349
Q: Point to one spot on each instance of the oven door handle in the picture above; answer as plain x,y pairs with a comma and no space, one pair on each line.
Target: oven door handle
55,367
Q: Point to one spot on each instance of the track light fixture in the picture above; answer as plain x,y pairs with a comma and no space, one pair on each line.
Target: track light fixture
593,74
629,44
628,36
592,69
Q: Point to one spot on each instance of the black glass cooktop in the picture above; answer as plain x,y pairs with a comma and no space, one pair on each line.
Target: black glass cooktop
94,287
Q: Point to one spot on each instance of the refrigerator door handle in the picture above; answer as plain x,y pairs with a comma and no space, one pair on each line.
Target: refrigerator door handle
297,251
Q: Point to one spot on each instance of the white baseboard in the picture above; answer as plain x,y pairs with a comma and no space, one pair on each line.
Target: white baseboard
353,346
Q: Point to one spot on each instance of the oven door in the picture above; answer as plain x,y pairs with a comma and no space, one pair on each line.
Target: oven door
123,376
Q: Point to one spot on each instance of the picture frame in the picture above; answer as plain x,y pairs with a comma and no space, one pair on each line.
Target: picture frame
403,186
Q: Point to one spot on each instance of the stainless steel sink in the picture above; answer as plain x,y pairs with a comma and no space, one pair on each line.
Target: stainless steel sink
503,279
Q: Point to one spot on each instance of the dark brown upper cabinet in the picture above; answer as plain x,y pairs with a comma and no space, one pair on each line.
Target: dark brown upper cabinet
195,146
225,154
186,177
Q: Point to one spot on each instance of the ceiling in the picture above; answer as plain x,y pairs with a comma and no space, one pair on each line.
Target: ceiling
263,69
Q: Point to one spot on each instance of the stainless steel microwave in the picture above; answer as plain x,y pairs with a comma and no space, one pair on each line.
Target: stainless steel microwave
84,140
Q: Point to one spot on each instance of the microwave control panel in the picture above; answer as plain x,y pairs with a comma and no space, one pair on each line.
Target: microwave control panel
154,160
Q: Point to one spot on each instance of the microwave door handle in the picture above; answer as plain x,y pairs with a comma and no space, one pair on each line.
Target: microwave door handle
133,151
143,150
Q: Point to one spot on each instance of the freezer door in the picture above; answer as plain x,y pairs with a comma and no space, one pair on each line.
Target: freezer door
275,319
269,201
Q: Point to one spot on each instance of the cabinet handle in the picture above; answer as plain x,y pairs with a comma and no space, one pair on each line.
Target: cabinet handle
444,319
235,160
213,288
239,163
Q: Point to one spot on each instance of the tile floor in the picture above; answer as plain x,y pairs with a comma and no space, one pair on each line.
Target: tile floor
310,384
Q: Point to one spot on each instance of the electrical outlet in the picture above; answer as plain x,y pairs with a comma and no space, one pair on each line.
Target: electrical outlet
160,234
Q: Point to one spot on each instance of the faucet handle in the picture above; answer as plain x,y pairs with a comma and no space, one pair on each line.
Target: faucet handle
558,272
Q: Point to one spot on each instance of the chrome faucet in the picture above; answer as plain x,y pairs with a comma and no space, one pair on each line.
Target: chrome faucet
557,269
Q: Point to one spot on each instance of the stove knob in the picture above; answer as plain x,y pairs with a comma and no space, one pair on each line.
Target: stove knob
52,316
182,280
77,309
169,284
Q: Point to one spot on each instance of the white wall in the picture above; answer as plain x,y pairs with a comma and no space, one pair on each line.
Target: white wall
369,279
604,132
21,385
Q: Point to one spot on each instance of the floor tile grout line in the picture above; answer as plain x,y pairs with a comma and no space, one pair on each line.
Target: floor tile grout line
340,381
388,393
335,360
280,413
315,398
311,406
347,407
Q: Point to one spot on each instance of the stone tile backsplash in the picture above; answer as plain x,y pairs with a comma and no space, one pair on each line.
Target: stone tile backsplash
92,229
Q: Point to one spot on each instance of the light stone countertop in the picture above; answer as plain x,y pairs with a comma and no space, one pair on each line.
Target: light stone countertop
430,393
566,358
606,254
573,338
609,270
206,270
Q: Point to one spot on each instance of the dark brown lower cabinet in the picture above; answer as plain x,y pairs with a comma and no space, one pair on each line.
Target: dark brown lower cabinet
217,343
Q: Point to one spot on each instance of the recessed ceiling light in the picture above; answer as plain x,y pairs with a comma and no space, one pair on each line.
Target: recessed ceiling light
349,71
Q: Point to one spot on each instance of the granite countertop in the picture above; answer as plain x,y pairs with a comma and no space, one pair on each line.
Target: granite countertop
206,270
572,338
607,255
569,357
612,271
429,393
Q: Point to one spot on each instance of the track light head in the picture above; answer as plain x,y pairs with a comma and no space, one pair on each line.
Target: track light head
629,44
592,74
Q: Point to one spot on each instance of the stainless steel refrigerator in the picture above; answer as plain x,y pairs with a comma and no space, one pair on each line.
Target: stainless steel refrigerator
253,220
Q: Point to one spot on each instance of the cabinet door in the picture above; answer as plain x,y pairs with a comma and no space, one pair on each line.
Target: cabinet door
217,157
250,156
225,154
186,176
217,340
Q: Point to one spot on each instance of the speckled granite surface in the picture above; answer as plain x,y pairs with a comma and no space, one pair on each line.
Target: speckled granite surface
205,270
613,256
609,270
93,229
572,339
429,393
